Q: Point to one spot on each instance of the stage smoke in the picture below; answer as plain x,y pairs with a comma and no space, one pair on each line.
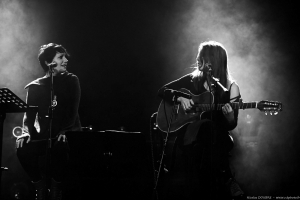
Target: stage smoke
264,158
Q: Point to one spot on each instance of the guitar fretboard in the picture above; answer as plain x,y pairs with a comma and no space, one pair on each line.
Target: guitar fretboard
235,105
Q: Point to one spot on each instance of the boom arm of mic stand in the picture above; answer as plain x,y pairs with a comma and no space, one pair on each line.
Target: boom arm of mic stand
218,82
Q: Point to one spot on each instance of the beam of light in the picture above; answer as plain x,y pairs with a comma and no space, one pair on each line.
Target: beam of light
22,31
20,37
257,64
21,34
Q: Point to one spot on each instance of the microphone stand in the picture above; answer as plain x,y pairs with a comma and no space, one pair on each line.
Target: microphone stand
212,132
210,78
50,115
51,107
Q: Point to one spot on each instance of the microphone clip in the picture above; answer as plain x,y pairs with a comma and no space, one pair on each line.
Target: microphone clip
51,67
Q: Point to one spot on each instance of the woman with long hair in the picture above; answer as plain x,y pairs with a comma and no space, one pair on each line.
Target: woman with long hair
206,142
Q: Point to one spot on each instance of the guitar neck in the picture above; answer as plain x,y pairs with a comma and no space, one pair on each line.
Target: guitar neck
243,105
235,105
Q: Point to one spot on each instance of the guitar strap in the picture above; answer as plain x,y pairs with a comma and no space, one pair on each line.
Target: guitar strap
235,98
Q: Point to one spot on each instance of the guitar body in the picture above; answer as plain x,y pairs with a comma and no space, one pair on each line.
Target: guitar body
178,117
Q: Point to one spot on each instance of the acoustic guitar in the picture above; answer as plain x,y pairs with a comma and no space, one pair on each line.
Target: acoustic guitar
177,117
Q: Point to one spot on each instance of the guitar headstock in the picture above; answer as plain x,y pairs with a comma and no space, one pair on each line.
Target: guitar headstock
272,107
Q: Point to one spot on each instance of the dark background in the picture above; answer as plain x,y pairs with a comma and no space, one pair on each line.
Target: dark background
124,51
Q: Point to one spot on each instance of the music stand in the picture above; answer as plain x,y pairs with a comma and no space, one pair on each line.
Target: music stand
9,103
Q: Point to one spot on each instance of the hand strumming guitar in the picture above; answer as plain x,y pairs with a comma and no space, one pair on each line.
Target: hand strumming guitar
185,103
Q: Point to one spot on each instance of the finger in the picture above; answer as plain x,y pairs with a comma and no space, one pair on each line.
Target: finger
187,105
192,102
224,110
28,140
229,109
59,138
21,143
64,138
17,144
182,105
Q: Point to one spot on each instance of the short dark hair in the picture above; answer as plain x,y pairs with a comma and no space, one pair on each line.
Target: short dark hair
47,53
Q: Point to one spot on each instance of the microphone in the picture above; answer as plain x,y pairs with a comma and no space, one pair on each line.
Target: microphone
179,93
52,65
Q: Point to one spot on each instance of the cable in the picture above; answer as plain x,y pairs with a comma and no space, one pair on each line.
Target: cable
165,141
152,154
